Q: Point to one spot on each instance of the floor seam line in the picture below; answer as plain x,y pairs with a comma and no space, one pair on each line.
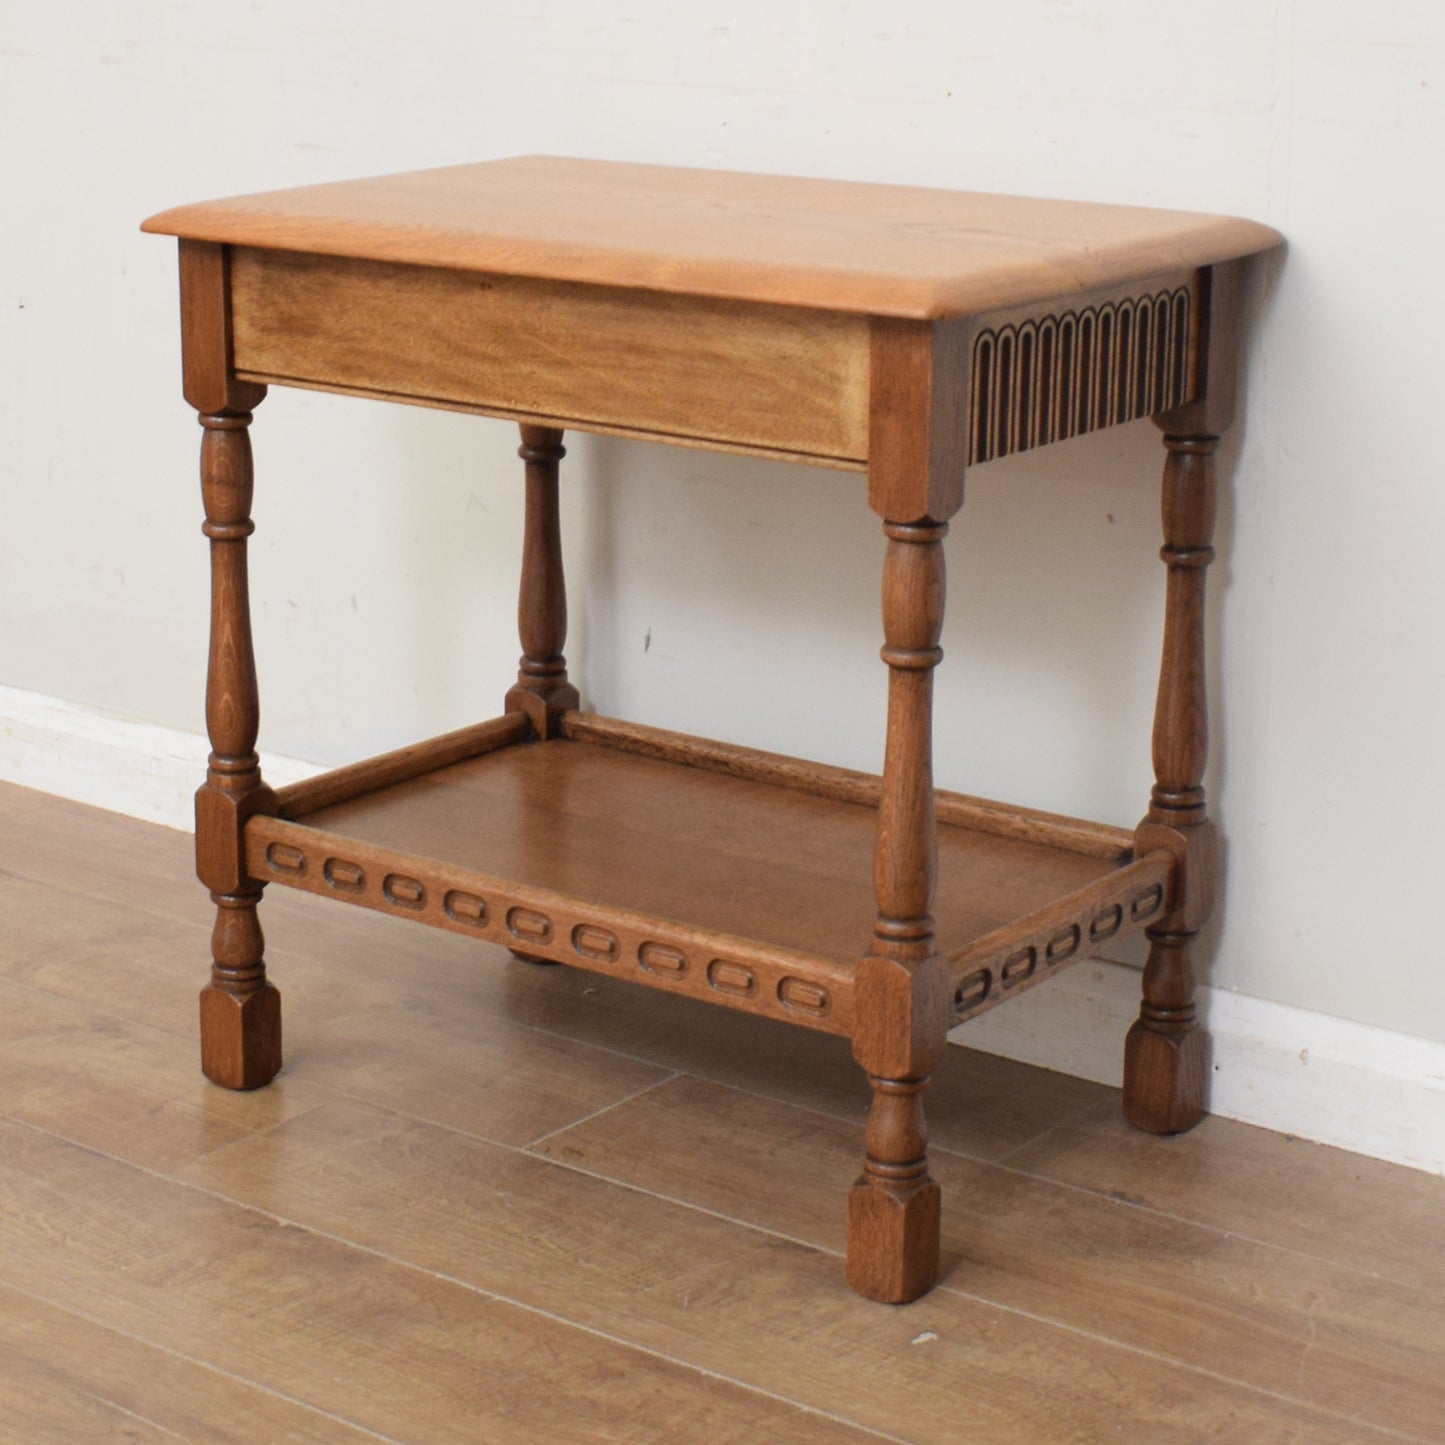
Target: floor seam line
999,1162
985,1162
88,1394
1218,1229
706,1371
451,1279
598,1113
981,1300
206,1365
984,1300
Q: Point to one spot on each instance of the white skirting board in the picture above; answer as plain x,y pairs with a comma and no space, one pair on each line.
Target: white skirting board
1357,1087
1347,1084
137,768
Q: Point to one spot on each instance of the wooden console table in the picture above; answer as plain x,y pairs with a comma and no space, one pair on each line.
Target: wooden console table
904,333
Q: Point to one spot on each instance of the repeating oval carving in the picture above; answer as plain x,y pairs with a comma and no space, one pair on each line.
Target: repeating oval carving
403,891
465,908
530,925
343,874
973,989
733,978
283,858
803,996
1146,903
1063,944
1106,923
665,962
592,941
1018,966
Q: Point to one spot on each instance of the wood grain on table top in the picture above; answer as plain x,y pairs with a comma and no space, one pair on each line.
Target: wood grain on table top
903,251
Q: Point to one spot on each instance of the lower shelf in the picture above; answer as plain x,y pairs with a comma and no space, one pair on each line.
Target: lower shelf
749,892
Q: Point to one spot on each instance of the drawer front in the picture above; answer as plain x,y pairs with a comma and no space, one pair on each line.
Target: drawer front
773,379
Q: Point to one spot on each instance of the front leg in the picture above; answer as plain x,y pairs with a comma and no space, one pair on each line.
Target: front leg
240,1010
901,986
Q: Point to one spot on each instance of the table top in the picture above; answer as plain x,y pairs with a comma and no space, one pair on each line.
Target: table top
846,246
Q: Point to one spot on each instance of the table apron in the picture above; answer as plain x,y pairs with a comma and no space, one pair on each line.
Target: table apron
782,380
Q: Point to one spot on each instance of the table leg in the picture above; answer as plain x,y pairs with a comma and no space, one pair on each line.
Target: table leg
1165,1054
240,1010
542,690
901,990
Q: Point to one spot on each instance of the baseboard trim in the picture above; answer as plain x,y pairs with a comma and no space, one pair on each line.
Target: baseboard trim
1292,1070
141,769
1289,1069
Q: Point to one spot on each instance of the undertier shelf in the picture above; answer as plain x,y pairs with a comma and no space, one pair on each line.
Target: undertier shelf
713,871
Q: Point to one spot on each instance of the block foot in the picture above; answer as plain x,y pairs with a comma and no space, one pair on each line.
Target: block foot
1164,1077
240,1037
893,1240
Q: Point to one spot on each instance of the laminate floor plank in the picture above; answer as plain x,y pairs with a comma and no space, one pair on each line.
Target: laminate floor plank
983,1105
730,1299
37,1408
151,946
503,1083
388,1347
979,1104
148,966
64,1379
1365,1213
121,1087
358,1019
1329,1336
54,840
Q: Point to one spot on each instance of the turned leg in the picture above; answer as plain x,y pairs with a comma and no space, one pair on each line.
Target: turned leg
240,1010
1165,1052
542,690
901,991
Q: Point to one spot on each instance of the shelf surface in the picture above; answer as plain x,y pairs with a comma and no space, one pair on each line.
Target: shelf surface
751,859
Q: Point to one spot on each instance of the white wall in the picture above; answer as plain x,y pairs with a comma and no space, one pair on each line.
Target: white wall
738,598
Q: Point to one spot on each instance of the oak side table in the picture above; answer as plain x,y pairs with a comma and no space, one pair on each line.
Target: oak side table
905,333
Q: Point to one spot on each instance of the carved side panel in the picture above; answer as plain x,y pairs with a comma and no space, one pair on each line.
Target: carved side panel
1024,953
737,973
1048,953
1042,379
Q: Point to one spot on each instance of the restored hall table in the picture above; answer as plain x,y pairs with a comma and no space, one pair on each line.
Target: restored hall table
905,333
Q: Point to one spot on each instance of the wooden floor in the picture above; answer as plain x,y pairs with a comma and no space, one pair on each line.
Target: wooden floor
490,1202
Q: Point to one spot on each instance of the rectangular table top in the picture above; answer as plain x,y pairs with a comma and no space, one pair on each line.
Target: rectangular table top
879,250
